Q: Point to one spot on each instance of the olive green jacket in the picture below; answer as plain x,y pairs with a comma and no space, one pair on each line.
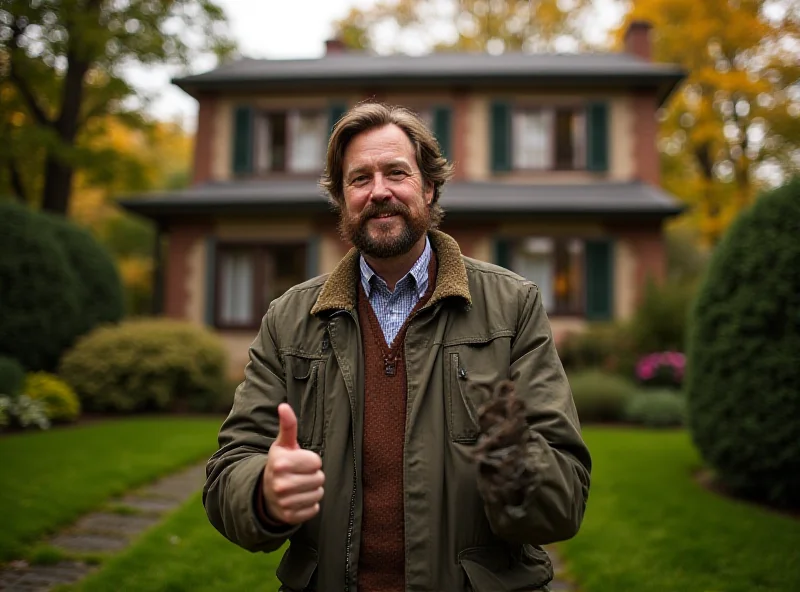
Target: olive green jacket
482,324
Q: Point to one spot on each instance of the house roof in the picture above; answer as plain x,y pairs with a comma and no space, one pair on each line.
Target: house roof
485,199
467,69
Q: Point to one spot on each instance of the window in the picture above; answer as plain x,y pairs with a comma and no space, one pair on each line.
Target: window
549,139
290,141
556,266
249,277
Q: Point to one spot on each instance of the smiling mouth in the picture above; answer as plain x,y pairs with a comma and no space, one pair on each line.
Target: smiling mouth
384,216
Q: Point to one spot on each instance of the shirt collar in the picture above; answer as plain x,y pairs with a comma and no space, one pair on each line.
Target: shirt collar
419,272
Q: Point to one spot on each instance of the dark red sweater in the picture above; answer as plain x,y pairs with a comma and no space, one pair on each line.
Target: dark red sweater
381,566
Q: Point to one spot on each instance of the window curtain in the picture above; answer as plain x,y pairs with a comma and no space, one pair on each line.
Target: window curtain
307,133
533,141
535,260
236,288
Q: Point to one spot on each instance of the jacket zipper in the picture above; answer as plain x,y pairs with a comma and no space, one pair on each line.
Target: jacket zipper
351,524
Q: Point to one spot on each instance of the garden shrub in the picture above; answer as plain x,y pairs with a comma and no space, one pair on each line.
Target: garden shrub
12,376
743,374
60,401
100,291
605,346
40,295
656,408
58,283
23,412
661,369
147,365
600,396
661,319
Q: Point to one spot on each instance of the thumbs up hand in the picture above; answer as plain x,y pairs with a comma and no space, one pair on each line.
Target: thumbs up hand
293,477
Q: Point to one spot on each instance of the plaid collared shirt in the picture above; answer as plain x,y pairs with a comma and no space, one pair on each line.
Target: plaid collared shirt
393,308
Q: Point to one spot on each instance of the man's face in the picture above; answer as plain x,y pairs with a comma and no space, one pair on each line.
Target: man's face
386,209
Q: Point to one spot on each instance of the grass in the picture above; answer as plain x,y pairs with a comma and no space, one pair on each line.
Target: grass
650,528
184,553
48,479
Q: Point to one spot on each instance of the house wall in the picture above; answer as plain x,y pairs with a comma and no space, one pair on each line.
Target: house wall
638,252
223,123
632,131
638,255
622,166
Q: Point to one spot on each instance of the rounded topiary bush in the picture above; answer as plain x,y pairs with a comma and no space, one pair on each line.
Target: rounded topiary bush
39,291
743,369
147,365
12,376
57,283
100,293
656,408
60,401
599,396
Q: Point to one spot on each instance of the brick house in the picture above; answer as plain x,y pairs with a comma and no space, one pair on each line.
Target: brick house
557,176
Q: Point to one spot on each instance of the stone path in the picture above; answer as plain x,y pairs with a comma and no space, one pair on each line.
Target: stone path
109,532
104,532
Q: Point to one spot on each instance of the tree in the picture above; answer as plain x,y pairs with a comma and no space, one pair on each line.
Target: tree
734,126
155,158
61,62
467,25
742,379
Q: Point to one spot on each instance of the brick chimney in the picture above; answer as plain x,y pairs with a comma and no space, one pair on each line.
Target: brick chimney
637,40
334,46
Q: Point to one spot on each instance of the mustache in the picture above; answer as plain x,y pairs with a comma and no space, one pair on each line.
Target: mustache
383,209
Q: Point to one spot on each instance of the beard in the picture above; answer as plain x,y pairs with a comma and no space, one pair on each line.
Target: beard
379,243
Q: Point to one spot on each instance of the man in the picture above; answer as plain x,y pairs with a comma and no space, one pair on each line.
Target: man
353,431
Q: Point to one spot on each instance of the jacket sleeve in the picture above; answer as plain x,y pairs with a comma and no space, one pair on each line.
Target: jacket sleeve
234,472
552,508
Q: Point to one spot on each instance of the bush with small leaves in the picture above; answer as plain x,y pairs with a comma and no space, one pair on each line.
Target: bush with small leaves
743,355
12,376
599,396
60,401
147,365
23,412
656,409
57,282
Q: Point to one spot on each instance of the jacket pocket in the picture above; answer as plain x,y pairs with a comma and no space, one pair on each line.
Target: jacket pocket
472,369
305,388
297,568
492,569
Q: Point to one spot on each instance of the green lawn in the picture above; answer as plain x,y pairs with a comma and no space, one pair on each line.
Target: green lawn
650,528
47,479
185,553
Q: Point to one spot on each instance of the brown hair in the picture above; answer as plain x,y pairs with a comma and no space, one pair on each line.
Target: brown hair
433,166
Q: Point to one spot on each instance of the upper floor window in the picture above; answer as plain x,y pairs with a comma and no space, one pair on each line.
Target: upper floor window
289,141
549,138
285,141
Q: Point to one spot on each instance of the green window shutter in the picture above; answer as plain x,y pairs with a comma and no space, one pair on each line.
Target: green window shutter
597,145
243,140
335,113
442,128
599,280
211,280
502,252
500,134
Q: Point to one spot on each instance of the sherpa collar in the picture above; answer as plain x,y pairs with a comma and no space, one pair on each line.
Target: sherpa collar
339,291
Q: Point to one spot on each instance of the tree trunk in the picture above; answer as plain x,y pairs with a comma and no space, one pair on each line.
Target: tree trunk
58,171
57,186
